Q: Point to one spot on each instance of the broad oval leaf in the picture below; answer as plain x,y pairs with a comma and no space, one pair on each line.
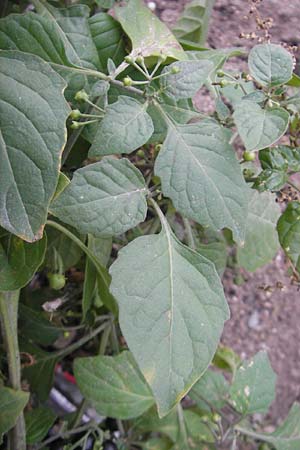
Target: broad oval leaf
108,37
12,404
19,261
171,314
190,78
270,64
261,241
106,198
148,35
288,228
32,136
113,385
125,127
201,175
253,388
259,127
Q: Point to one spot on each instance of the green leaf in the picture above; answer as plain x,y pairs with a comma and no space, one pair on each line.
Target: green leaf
148,35
175,307
201,175
287,435
113,385
125,127
106,198
197,431
108,38
157,444
226,359
34,326
167,425
259,127
216,252
191,26
253,388
294,81
41,370
32,33
261,241
288,228
190,78
212,387
32,116
270,64
62,248
12,404
71,24
38,422
19,261
280,158
101,249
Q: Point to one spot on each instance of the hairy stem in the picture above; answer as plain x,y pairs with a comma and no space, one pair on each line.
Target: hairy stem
9,302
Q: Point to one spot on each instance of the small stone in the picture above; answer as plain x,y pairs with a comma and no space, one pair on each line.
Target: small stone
253,321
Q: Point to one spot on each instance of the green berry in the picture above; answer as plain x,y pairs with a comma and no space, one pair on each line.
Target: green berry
224,83
127,81
75,114
81,96
157,148
75,125
139,59
56,281
249,156
220,73
162,57
129,59
140,153
175,69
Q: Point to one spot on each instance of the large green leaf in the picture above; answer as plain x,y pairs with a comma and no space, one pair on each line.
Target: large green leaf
201,175
12,404
288,228
270,64
38,422
148,35
33,115
261,241
213,388
71,24
190,78
108,38
259,127
175,307
253,388
104,199
32,33
167,425
126,126
113,385
19,261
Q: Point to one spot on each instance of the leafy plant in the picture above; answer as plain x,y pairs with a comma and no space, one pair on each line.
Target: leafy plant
107,167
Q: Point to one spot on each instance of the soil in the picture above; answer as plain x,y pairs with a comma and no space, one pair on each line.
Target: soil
265,310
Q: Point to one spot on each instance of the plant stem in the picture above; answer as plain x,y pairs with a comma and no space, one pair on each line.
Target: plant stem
9,302
101,270
253,434
65,435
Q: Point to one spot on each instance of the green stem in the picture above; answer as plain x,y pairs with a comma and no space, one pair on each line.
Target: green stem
101,270
9,302
65,435
253,434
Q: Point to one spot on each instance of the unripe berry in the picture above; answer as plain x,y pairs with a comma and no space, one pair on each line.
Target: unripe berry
127,81
75,114
224,83
139,59
81,96
175,69
75,125
249,156
129,59
56,281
